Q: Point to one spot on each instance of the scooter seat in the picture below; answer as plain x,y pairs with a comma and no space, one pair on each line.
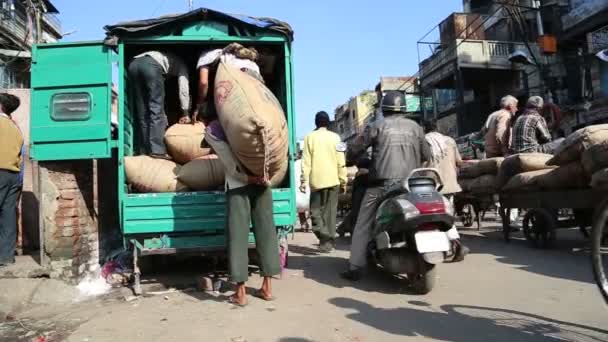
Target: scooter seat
422,184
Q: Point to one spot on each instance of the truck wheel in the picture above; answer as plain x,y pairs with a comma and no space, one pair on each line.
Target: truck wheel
424,282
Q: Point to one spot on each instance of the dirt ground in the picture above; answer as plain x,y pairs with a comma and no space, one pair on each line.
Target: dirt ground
502,292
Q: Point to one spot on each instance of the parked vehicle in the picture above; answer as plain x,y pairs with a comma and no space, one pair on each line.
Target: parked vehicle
71,120
409,230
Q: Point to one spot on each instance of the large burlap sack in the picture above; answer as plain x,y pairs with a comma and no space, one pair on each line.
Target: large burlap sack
150,175
205,173
525,181
484,184
520,163
475,169
595,158
564,177
599,180
253,121
184,142
576,143
302,199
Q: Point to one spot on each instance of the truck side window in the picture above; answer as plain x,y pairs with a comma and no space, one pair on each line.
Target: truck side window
71,106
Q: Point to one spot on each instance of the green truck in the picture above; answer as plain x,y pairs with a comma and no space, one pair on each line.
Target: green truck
71,119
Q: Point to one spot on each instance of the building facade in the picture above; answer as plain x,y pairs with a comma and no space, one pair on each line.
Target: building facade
22,24
351,117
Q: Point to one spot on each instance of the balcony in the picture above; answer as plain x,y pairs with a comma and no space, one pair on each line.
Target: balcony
480,54
53,22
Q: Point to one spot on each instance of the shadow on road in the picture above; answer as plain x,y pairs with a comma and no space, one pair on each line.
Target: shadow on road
468,323
558,262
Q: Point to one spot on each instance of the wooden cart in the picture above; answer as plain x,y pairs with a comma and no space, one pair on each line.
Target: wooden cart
543,212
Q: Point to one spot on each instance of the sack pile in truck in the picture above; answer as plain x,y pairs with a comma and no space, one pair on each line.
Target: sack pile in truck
480,176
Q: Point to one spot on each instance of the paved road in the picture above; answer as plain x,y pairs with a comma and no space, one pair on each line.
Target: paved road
500,293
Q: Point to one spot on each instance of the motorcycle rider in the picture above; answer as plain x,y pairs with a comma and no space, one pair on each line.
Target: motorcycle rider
398,147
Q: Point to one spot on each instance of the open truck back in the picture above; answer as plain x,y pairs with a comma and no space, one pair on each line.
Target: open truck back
71,118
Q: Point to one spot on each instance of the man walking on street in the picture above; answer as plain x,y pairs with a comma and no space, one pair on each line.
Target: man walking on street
530,132
398,147
498,128
324,170
11,142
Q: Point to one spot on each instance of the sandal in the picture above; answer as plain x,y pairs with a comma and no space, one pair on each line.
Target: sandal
234,301
263,296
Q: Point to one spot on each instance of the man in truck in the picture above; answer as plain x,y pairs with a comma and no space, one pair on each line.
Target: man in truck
147,74
11,144
234,55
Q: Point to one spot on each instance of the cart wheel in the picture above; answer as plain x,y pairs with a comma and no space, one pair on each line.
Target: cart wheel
599,248
506,223
539,228
467,215
583,219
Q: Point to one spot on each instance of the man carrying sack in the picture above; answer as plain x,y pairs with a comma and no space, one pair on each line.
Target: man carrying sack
324,170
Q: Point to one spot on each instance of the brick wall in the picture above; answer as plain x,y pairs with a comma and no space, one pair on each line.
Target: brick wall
70,217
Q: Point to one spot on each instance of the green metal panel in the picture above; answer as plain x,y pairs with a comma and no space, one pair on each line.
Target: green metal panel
203,212
71,70
195,219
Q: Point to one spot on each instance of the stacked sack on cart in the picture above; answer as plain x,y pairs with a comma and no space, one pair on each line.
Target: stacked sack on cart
580,160
480,176
255,127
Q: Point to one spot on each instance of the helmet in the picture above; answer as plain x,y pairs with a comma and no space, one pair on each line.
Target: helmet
393,102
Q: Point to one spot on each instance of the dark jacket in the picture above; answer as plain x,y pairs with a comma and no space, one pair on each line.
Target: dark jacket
398,147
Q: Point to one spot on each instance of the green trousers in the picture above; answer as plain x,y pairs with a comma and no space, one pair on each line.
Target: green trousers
252,203
323,211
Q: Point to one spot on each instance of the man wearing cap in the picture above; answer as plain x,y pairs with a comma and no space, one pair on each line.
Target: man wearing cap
324,170
11,142
530,132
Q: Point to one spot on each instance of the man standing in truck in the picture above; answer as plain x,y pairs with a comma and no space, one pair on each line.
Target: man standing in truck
147,74
11,144
324,171
234,55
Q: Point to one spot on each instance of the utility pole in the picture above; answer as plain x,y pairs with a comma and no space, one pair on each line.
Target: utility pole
191,4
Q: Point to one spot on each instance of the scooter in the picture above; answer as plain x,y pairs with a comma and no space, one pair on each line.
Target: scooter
409,229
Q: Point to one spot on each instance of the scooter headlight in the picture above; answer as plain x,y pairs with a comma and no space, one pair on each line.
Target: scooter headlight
449,208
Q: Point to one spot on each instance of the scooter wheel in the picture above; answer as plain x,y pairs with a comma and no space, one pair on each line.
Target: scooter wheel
424,282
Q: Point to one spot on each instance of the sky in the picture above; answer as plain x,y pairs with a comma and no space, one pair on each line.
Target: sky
341,47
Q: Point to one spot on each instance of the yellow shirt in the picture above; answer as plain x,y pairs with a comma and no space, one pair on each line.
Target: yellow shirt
323,166
11,141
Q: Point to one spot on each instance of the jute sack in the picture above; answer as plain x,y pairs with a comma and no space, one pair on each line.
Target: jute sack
484,184
150,175
488,166
525,181
279,176
564,177
576,143
520,163
253,121
595,158
599,180
302,199
205,173
184,142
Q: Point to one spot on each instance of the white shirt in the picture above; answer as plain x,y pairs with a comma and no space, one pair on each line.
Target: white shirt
209,57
